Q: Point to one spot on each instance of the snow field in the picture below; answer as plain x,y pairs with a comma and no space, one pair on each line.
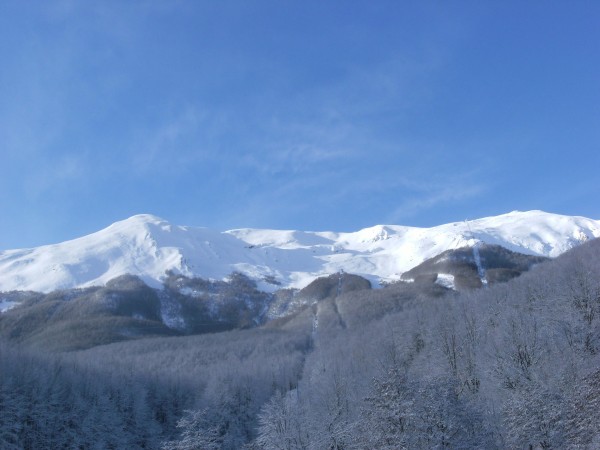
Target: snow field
148,246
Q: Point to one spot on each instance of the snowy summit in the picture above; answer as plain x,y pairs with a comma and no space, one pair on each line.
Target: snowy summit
148,246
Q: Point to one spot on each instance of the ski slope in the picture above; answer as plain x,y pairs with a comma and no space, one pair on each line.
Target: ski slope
148,246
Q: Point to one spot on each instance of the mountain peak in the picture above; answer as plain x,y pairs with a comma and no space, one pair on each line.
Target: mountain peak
145,218
147,246
140,220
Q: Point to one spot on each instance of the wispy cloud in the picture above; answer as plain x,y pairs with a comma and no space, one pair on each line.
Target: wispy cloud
64,172
179,141
420,203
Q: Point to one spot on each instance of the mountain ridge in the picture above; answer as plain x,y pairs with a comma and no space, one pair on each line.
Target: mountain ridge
148,246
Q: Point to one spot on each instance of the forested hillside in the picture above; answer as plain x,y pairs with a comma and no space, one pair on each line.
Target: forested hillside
514,365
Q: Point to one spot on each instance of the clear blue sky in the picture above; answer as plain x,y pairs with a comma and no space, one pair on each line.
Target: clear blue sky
314,115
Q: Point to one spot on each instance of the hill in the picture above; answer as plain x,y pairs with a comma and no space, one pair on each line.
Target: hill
148,247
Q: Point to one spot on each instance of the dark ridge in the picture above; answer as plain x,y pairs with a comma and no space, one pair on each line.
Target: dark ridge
499,263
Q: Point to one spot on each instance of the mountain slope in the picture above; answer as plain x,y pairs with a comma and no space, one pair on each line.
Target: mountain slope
147,246
458,269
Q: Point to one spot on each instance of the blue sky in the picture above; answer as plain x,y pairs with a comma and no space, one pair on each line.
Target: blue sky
314,115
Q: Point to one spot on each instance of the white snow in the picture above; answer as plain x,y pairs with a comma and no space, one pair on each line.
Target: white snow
480,268
171,313
446,280
147,246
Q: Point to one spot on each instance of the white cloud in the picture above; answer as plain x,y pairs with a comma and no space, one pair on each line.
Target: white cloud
178,143
47,174
417,204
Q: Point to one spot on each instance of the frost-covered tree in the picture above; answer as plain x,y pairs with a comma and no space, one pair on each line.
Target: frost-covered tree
197,433
279,424
388,412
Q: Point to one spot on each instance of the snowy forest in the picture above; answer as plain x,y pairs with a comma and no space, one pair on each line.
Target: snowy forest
513,365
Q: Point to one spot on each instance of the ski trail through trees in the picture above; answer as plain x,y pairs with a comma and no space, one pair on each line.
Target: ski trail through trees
477,257
480,269
315,323
341,321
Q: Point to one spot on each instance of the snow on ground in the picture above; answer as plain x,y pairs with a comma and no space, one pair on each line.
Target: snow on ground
446,280
147,246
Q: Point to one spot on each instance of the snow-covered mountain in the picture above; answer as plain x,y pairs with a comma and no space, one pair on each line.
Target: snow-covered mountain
148,246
